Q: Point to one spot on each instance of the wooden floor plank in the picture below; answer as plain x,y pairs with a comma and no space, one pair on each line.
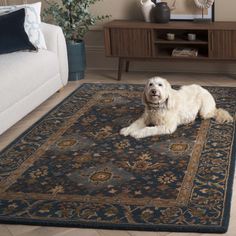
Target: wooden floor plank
4,231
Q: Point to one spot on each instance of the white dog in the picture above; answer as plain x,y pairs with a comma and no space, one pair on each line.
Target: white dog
166,108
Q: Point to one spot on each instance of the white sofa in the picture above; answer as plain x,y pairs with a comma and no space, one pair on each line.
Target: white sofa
29,78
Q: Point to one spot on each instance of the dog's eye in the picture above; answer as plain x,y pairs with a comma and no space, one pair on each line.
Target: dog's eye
150,84
160,85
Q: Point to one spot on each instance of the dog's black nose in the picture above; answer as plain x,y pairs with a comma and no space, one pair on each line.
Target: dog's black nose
153,91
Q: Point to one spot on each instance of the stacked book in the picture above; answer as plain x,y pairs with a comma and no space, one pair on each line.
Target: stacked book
185,52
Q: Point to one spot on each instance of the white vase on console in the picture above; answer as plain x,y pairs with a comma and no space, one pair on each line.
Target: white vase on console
146,6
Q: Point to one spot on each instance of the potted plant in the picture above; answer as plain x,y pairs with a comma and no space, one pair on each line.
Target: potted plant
74,18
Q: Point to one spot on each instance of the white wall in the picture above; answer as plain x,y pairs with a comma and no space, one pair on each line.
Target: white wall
225,10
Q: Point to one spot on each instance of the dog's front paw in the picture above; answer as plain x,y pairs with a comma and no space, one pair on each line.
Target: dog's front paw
137,135
125,131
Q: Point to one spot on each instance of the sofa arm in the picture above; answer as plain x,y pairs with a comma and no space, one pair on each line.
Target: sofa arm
56,43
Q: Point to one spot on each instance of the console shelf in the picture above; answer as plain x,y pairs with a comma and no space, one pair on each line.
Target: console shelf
180,41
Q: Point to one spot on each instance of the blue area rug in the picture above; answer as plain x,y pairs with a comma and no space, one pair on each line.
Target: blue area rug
72,168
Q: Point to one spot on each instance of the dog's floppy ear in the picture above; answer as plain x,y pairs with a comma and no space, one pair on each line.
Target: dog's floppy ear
170,101
144,98
170,98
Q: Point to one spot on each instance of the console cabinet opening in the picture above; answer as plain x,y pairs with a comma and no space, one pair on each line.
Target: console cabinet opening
181,36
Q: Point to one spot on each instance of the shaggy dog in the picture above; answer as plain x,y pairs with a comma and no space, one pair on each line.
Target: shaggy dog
166,108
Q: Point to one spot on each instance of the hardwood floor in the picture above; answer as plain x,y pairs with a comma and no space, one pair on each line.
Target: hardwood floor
107,77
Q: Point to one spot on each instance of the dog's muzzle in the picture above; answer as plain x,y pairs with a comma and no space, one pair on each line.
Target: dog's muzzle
155,93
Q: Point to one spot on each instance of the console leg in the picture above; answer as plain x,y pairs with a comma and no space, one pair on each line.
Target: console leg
127,66
120,68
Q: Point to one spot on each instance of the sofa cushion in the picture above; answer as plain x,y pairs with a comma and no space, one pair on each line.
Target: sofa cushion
13,36
32,22
23,72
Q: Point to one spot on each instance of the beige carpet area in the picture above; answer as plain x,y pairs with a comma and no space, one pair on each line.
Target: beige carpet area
107,77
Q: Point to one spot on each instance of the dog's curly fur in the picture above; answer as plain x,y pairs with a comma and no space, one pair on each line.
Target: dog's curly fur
166,108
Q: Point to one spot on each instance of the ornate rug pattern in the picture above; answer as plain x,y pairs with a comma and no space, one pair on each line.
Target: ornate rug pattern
72,168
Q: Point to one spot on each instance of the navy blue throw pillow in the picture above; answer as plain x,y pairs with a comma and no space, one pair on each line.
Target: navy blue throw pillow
12,33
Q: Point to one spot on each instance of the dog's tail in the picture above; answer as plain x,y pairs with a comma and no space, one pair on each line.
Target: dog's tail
222,116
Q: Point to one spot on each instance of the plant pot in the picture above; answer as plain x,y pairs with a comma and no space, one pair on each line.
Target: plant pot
76,60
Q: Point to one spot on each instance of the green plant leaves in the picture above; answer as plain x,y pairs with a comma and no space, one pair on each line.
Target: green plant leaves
73,17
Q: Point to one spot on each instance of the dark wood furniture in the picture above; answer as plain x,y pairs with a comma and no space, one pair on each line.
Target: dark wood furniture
137,40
